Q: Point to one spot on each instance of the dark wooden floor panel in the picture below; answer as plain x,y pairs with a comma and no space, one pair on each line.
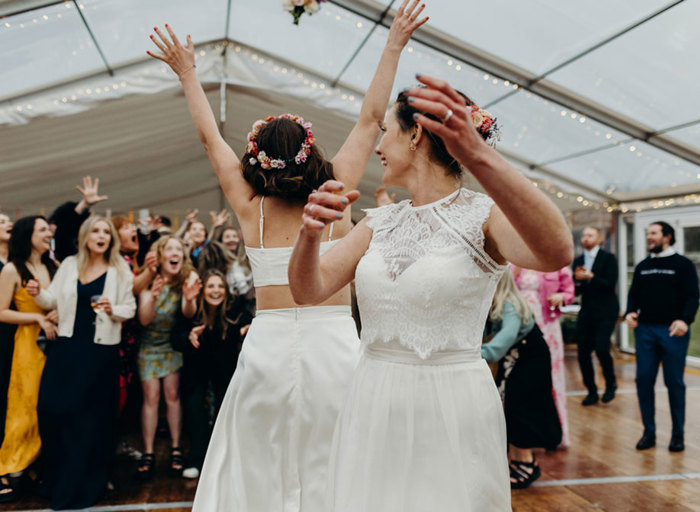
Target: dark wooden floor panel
603,439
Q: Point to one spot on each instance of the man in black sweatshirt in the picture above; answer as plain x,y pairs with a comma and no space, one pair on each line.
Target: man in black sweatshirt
661,305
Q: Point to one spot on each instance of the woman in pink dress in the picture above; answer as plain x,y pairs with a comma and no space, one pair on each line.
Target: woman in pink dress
547,292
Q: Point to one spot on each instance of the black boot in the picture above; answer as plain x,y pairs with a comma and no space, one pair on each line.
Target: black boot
647,441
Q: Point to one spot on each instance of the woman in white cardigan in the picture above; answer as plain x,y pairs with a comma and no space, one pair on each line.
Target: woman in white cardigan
78,397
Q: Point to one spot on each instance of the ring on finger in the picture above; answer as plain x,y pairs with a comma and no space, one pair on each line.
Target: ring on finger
448,115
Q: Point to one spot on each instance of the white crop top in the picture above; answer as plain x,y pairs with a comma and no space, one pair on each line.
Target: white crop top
269,265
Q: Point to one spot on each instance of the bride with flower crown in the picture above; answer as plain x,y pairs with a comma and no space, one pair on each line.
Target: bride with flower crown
270,446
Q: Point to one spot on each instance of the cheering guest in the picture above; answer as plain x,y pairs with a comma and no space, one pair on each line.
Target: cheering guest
28,259
210,352
78,398
547,292
661,305
66,220
174,288
595,277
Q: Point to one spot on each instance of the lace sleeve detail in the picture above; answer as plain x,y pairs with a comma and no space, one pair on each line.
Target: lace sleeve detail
378,217
466,218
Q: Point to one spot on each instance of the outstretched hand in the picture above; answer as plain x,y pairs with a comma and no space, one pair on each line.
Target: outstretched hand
456,127
405,23
179,58
90,192
326,205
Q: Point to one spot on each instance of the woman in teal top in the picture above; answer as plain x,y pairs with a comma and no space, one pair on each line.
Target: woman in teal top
524,379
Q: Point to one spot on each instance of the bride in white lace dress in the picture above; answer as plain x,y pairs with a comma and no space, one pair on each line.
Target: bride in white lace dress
422,428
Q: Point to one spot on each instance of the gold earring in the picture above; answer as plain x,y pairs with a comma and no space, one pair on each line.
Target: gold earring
412,146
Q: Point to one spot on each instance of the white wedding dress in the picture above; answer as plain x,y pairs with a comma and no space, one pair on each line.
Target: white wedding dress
422,429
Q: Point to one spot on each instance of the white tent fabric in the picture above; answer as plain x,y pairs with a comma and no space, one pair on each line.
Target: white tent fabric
597,100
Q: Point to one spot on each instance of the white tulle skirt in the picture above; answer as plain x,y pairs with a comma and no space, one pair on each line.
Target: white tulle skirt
420,436
270,446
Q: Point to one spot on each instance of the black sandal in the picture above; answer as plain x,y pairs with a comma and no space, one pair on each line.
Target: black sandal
520,474
177,462
8,492
145,471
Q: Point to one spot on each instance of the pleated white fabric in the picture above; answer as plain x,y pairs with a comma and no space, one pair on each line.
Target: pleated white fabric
270,446
420,435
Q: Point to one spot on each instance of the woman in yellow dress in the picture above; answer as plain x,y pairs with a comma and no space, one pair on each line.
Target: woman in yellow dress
28,259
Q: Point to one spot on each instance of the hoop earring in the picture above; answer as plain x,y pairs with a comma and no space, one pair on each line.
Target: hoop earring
412,146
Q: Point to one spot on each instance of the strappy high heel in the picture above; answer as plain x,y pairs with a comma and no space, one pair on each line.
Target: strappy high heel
519,472
177,462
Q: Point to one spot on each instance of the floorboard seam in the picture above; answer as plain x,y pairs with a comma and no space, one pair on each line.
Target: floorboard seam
616,480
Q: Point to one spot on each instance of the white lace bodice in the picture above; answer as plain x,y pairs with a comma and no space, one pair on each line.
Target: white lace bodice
426,281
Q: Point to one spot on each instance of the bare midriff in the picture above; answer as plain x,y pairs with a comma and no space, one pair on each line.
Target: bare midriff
280,297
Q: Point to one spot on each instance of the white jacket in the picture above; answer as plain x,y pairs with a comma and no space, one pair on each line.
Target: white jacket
63,295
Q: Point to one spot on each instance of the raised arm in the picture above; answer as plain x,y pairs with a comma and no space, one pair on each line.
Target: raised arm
314,278
524,227
223,159
350,162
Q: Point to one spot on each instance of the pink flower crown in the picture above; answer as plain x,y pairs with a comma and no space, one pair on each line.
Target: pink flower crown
485,124
277,163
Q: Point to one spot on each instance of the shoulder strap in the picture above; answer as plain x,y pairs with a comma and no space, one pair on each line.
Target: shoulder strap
330,233
262,221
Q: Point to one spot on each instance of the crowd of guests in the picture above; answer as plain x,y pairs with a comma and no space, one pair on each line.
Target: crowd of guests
100,319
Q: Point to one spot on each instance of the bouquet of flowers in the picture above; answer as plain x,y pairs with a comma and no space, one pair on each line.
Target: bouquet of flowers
299,7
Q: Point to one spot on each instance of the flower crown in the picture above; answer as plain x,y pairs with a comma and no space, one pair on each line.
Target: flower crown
277,163
485,124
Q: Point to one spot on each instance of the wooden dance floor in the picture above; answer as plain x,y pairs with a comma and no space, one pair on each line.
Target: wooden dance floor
601,471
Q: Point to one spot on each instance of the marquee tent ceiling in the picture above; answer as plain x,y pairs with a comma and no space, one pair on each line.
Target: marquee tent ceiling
598,100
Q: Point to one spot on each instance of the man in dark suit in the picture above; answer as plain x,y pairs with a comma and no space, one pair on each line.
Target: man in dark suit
595,276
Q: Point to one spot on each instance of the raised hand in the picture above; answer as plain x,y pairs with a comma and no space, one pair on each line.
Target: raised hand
191,216
90,192
195,333
327,204
179,58
457,127
157,286
405,23
151,262
382,197
33,287
219,219
190,290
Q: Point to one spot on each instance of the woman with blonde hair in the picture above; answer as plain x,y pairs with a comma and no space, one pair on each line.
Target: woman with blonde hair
174,288
524,380
78,397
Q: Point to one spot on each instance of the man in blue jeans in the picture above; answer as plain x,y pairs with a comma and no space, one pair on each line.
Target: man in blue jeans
661,305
